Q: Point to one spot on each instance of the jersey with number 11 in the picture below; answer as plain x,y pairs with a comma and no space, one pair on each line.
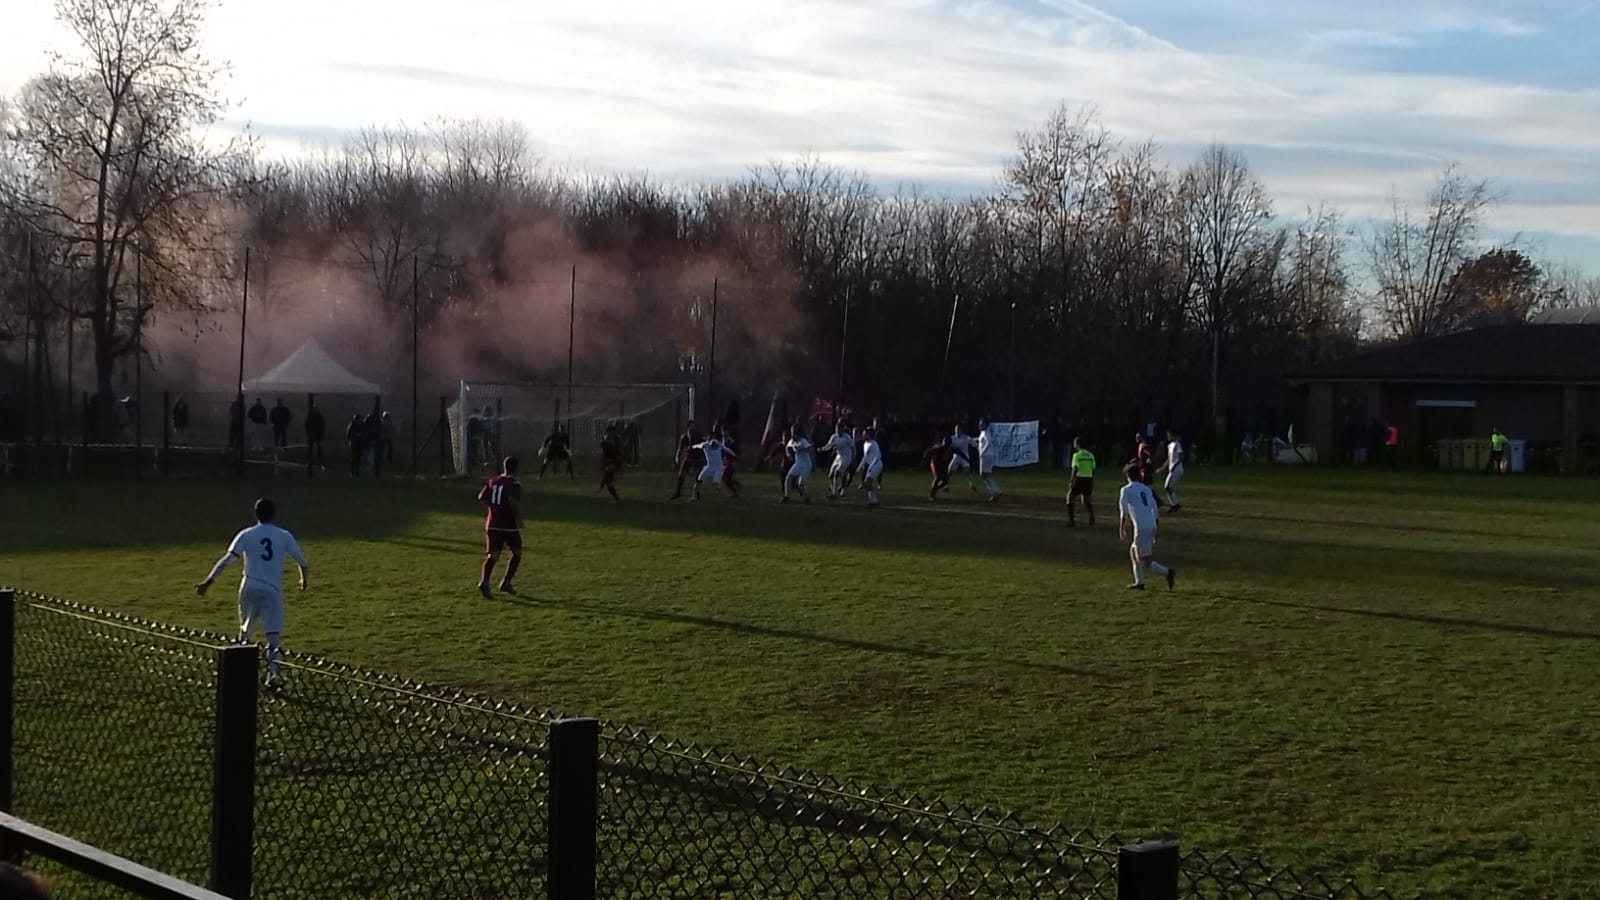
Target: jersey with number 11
264,549
502,494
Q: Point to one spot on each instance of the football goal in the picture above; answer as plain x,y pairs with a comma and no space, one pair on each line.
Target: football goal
494,419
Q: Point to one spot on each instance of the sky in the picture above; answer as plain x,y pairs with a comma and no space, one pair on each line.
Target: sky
1353,102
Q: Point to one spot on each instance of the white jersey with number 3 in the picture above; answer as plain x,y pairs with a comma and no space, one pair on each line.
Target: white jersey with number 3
1138,505
264,548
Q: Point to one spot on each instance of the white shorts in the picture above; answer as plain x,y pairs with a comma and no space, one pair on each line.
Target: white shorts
1144,543
841,465
1174,476
799,474
260,608
874,473
958,463
712,475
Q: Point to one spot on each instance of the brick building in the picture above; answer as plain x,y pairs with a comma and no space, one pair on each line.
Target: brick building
1539,382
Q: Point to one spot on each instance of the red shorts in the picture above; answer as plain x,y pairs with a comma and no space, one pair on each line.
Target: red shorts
495,541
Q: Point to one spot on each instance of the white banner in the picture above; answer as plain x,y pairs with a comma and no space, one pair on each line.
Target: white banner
1013,444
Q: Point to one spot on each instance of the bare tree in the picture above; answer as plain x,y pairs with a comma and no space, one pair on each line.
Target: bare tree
119,168
1414,262
1229,218
1317,286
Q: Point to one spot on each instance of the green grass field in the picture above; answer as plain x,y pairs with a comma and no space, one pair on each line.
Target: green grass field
1383,675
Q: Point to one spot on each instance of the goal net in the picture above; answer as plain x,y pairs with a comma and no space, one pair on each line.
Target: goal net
494,419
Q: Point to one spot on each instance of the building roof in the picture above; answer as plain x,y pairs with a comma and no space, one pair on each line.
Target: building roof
1549,354
1577,315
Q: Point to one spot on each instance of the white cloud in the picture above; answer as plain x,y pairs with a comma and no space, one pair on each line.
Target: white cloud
925,90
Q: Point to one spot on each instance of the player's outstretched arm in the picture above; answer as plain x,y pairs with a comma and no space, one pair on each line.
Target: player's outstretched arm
216,570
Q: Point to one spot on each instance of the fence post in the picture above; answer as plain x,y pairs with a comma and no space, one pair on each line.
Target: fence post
233,773
8,693
1148,870
574,806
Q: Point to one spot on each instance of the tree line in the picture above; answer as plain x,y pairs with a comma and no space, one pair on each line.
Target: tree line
1095,282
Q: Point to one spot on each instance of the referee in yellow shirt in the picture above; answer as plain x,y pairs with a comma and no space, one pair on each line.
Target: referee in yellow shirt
1497,451
1082,483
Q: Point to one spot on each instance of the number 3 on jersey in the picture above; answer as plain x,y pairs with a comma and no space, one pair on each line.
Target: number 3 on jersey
266,549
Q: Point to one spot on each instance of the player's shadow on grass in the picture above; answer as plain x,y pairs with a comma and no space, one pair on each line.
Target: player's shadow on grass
1425,619
746,628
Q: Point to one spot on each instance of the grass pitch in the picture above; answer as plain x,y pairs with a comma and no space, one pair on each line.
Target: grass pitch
1382,675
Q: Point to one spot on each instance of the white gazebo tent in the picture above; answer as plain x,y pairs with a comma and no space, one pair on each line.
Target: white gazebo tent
309,370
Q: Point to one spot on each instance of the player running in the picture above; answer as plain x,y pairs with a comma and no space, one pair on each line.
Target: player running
871,467
688,458
938,458
503,528
557,449
713,450
1137,505
964,456
844,454
263,547
1174,468
610,460
800,451
1082,482
987,453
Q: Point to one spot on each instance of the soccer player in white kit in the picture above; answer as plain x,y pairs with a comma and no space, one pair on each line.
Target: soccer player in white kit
1174,469
1137,506
796,478
961,459
844,456
986,461
263,547
714,450
871,467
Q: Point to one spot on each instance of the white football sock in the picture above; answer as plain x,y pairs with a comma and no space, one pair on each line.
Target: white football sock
1138,574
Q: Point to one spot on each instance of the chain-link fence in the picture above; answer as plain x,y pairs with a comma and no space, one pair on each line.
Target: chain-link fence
113,733
366,785
356,769
1221,876
678,822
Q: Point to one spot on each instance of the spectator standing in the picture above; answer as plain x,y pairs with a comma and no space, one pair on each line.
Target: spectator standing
280,419
316,430
356,435
180,421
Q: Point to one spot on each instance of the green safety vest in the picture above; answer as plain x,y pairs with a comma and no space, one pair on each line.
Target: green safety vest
1498,441
1084,460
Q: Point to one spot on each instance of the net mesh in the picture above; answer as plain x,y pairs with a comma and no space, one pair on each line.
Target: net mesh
489,420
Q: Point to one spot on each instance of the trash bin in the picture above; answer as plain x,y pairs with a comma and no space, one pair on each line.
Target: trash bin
1517,455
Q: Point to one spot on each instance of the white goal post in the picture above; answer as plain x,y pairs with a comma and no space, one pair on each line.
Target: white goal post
493,419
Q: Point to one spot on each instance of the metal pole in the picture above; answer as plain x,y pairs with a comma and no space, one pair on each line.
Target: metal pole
244,322
1013,360
844,345
572,332
27,348
233,771
955,306
138,366
73,416
711,369
415,449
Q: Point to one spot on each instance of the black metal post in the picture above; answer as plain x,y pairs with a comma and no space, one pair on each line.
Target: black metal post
574,808
244,323
1013,360
572,334
1148,871
415,448
166,435
711,368
312,450
8,692
233,774
844,346
138,366
83,438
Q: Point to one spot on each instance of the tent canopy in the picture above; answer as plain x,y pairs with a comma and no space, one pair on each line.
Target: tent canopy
309,370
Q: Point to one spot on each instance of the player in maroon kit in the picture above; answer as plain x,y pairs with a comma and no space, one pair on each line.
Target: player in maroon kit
688,460
503,528
1144,459
938,457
